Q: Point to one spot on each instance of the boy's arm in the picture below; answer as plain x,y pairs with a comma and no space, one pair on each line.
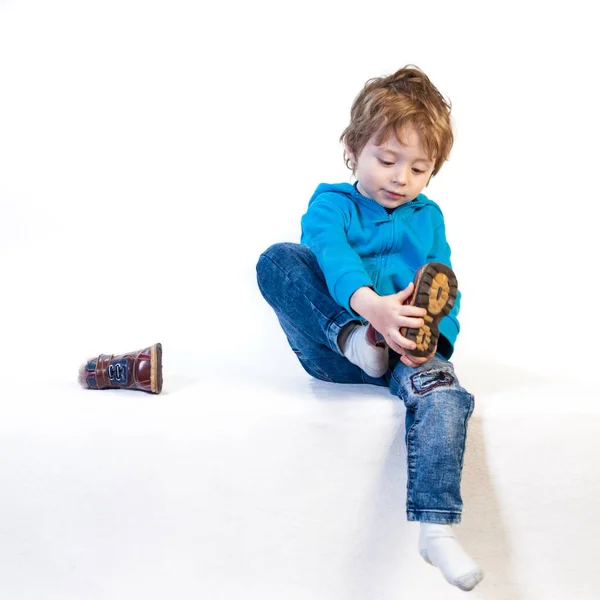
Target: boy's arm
323,231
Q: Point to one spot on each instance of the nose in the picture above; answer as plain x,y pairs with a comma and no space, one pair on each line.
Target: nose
400,176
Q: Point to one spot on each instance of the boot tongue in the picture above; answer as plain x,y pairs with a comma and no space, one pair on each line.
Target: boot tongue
371,335
374,337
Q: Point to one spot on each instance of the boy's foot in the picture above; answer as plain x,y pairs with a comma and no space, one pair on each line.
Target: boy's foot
436,289
359,344
439,547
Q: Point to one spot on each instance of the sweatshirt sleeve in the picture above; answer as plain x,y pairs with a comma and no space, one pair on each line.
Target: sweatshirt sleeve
440,252
323,231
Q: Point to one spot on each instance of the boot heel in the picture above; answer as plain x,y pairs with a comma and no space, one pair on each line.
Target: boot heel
156,379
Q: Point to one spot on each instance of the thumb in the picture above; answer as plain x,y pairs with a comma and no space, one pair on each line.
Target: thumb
406,292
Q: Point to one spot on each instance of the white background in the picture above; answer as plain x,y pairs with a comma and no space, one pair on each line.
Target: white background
148,153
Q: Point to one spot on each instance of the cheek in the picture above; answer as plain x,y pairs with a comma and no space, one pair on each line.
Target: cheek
379,172
367,173
420,181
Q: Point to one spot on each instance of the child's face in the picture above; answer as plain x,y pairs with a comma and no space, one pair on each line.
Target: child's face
393,174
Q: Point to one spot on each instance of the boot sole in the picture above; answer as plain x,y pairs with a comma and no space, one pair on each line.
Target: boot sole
436,290
156,378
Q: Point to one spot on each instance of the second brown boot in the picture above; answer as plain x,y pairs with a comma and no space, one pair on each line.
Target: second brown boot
139,370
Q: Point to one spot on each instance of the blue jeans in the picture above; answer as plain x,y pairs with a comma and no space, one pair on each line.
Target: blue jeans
437,407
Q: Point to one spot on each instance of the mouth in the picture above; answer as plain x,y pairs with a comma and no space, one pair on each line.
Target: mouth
393,195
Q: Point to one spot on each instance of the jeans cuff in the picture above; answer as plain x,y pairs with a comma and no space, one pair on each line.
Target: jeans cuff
436,516
335,326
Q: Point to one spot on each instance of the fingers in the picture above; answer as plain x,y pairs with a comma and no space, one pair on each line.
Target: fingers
406,293
408,362
414,361
412,311
407,309
411,322
399,343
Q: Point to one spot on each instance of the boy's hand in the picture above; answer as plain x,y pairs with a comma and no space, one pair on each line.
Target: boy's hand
387,314
416,361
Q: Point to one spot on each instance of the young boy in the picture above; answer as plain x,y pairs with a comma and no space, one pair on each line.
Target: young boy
344,296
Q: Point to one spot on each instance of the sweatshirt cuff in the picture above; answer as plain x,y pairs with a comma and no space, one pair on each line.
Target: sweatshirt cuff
449,328
346,285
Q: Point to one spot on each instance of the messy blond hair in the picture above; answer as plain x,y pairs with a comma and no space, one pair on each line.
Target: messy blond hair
387,104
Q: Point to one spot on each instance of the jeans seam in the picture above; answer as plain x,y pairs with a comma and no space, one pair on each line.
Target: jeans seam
409,465
467,417
399,384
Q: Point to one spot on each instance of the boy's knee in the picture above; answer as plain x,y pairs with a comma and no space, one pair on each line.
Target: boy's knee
440,385
434,378
438,377
271,262
282,251
282,255
272,254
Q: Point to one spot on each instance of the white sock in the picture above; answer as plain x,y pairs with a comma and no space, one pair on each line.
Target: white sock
373,360
439,547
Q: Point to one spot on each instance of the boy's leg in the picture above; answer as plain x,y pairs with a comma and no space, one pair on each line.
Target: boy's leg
291,281
437,412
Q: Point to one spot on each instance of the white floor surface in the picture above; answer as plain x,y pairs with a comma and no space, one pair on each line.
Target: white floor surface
283,486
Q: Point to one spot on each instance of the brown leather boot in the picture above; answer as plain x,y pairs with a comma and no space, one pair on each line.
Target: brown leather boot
435,290
139,370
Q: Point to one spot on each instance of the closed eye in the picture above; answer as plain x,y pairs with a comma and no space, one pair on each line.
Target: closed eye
387,163
418,170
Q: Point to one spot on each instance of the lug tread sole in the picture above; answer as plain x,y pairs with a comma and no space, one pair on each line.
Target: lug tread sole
436,290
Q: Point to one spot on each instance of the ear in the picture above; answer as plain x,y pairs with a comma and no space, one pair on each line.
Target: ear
350,158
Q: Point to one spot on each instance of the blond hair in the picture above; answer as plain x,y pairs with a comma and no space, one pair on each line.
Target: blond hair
386,105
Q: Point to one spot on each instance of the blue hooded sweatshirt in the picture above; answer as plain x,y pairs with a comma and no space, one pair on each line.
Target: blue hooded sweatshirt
358,243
